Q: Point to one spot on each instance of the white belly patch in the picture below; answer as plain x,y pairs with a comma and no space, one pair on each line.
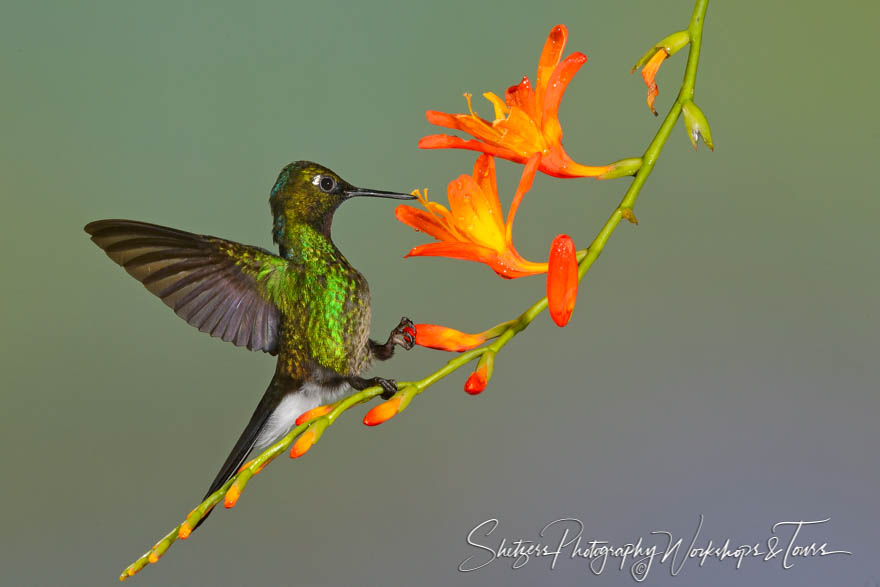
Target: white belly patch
308,396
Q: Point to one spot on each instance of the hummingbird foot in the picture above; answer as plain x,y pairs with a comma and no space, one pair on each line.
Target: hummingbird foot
403,335
389,386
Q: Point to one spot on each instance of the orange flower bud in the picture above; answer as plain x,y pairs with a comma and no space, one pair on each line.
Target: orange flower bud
477,382
313,413
153,558
562,279
302,444
184,531
446,339
383,412
232,496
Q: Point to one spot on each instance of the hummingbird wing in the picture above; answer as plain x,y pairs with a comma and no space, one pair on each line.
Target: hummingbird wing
218,286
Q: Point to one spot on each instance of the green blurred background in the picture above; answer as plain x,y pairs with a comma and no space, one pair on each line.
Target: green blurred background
722,359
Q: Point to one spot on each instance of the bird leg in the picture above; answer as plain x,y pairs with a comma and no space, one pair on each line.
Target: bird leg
404,334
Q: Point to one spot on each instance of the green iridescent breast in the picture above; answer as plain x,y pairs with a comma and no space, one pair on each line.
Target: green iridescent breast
325,307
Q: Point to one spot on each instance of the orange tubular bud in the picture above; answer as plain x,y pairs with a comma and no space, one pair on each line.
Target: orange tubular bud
232,496
383,412
184,531
562,279
477,382
302,444
442,338
153,558
313,413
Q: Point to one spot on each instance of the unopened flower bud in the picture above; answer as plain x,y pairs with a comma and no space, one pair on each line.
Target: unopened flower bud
562,279
696,124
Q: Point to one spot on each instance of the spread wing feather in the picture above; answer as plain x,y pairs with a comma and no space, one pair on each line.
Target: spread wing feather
216,285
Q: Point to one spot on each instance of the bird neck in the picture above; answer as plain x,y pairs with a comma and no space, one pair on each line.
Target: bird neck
300,240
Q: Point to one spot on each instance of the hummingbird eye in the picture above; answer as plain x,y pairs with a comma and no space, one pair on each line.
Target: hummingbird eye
327,184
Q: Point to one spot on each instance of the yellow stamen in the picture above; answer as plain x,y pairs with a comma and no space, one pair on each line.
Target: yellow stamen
467,96
423,200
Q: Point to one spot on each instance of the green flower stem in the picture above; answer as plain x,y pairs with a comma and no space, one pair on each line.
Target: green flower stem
504,331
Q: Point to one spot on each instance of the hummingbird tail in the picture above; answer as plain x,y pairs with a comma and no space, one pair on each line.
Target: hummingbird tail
249,437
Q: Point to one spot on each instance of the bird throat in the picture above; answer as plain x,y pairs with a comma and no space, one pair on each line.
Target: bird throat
298,241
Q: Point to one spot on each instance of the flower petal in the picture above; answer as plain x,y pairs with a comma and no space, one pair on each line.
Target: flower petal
484,175
498,104
424,222
442,338
458,250
550,57
451,142
558,82
562,279
475,214
522,96
525,184
469,123
521,134
442,119
649,72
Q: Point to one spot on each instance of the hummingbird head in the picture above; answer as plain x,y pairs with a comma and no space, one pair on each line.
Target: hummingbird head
308,193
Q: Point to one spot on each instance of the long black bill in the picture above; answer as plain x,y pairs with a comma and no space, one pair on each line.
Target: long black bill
354,192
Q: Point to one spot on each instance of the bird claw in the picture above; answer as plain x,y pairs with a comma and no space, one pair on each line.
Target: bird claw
404,334
389,387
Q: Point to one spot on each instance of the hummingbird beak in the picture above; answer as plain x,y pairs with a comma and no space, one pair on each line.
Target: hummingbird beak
354,192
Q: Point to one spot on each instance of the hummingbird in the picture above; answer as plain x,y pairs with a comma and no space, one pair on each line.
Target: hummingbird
307,305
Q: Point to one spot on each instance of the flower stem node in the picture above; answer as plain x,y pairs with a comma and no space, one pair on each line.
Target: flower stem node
696,124
623,168
627,213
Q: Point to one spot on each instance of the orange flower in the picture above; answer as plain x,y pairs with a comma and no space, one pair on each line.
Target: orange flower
526,122
473,228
